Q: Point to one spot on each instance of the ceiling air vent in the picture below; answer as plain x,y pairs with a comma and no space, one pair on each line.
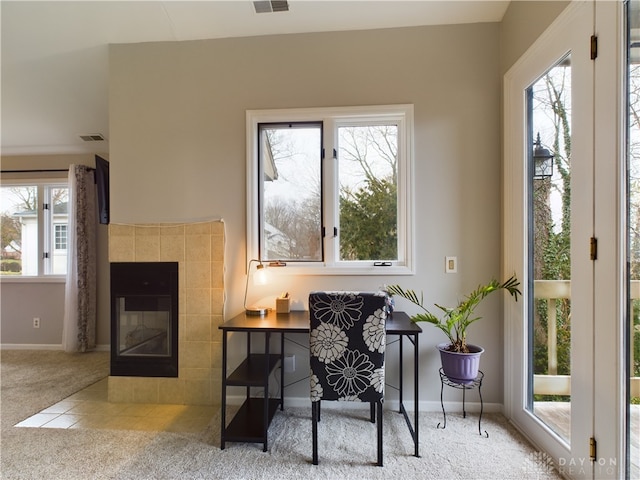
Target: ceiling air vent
268,6
93,137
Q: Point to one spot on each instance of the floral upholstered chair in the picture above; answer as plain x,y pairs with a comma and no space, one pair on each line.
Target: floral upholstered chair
347,343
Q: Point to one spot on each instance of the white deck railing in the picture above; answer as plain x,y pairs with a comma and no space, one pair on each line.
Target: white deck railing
552,383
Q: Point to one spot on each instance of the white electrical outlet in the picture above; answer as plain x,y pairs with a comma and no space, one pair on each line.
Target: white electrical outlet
289,364
451,265
36,322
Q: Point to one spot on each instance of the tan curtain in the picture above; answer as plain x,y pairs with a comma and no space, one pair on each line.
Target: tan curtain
79,328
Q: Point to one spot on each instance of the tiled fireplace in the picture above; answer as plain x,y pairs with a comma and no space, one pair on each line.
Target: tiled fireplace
198,249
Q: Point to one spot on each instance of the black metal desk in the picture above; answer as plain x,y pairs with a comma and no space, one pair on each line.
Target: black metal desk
252,421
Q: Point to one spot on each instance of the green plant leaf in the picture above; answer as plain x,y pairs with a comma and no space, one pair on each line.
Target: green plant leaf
455,320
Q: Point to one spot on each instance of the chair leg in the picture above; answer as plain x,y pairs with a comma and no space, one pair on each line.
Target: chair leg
373,411
379,406
315,413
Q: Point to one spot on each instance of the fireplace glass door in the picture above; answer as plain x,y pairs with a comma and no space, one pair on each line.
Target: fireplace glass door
144,325
144,319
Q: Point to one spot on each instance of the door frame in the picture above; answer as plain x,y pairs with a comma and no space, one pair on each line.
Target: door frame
611,230
603,359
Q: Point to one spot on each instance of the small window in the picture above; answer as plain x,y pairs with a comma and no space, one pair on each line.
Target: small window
60,236
34,229
329,189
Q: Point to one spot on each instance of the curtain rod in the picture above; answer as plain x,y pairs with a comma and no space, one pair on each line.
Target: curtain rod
44,170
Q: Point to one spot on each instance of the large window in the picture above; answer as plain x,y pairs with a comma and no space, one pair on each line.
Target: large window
34,229
329,189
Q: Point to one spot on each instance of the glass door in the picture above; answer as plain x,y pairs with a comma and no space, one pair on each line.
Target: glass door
549,210
633,224
566,235
549,221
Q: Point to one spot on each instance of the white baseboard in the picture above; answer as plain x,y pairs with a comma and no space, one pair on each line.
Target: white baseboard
30,346
43,346
427,406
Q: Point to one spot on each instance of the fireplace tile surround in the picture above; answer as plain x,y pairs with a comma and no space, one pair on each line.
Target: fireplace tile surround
199,250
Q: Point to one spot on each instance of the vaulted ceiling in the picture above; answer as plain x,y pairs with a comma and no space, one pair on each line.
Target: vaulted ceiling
55,54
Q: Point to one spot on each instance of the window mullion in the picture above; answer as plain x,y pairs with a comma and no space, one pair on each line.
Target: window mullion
44,202
48,250
330,193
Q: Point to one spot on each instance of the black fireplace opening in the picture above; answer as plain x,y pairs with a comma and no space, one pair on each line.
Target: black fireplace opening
144,319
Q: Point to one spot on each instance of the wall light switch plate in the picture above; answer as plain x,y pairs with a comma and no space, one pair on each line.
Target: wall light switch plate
451,265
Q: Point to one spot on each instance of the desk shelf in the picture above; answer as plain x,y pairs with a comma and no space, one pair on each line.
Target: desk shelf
251,372
251,422
248,423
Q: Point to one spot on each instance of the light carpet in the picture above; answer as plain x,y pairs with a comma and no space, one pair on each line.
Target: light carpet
347,440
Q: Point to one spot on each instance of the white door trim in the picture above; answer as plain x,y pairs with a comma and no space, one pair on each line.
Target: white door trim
555,43
601,413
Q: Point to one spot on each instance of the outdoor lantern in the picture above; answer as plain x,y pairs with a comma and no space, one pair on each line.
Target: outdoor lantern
542,161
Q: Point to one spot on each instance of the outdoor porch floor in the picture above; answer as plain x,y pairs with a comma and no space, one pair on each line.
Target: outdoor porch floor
557,415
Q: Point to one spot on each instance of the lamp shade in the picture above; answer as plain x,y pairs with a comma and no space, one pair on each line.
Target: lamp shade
261,275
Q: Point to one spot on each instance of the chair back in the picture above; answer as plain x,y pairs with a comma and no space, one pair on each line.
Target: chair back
347,345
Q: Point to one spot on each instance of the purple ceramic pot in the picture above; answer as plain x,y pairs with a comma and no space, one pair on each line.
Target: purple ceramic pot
460,367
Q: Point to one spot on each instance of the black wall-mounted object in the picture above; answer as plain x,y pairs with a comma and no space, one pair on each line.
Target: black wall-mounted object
102,187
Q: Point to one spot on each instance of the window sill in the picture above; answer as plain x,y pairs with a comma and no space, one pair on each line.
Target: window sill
293,269
33,279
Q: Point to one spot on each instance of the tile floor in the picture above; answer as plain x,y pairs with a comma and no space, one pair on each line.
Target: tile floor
90,409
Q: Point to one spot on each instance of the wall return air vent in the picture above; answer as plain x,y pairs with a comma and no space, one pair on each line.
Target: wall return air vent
92,137
269,6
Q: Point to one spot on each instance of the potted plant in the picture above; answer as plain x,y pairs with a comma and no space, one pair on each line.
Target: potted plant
460,360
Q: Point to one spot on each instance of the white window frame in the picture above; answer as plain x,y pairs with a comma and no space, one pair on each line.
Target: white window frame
332,118
45,230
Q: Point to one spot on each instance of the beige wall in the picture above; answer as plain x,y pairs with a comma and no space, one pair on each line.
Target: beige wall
522,24
177,134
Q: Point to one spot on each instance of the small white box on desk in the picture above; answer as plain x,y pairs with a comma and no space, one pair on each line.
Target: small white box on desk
283,304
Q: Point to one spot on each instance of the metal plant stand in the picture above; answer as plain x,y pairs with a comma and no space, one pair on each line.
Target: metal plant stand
475,383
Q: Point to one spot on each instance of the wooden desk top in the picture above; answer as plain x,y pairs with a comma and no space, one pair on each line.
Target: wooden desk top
298,322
